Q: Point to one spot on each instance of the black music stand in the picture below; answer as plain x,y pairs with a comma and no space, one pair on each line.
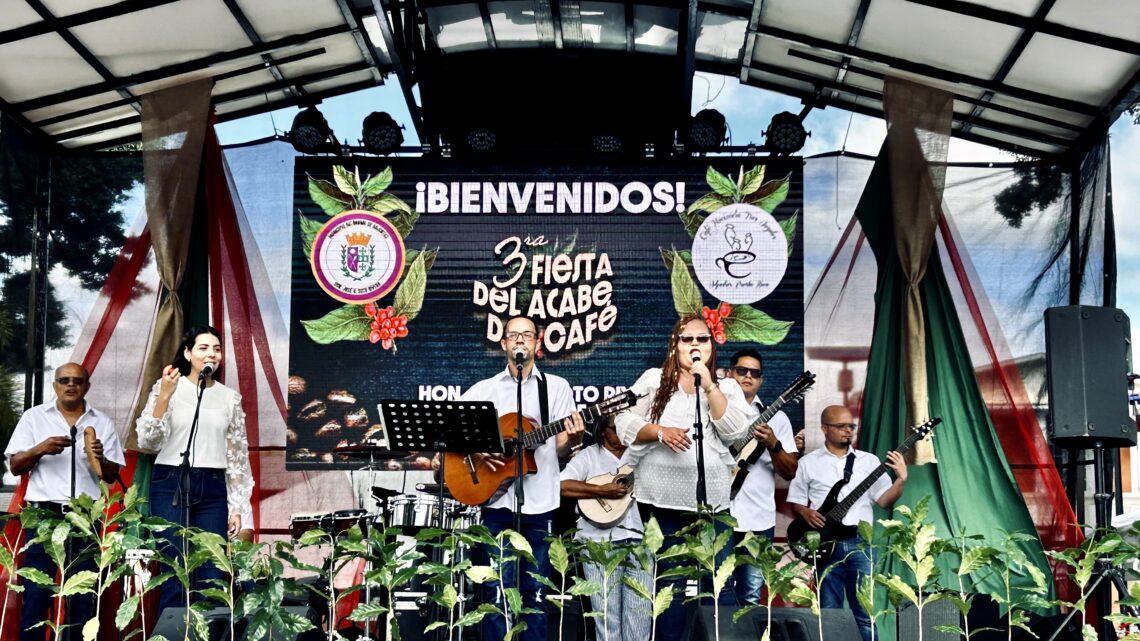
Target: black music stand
463,427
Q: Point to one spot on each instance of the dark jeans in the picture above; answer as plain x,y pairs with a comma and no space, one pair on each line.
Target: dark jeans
535,527
849,565
676,623
207,510
38,600
747,578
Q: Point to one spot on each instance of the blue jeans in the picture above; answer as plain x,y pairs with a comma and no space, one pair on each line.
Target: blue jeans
676,623
535,527
207,510
38,600
843,576
747,579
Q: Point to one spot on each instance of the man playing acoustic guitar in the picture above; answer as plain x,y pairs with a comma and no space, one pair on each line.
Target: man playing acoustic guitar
818,472
541,489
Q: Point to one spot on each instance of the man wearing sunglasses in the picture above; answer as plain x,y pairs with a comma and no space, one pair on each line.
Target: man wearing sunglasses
754,507
41,447
818,472
541,489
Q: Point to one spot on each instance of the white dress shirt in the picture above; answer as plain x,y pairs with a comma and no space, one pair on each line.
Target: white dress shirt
541,488
668,479
754,507
595,461
50,478
820,470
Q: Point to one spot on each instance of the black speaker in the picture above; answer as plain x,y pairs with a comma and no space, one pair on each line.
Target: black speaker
942,612
172,623
788,624
1087,354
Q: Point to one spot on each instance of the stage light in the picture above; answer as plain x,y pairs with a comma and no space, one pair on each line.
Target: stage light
482,140
380,134
707,130
785,134
607,145
310,133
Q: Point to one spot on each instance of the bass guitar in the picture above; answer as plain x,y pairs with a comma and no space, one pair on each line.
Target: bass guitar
473,482
833,510
606,513
750,454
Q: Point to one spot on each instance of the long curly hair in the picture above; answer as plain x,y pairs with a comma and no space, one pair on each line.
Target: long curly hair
671,370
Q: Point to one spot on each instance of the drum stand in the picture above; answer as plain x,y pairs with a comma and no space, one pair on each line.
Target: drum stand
463,427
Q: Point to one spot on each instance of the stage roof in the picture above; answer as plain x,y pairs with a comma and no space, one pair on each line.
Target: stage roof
1040,77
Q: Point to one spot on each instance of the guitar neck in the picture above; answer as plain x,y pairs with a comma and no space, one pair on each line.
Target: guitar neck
841,508
537,436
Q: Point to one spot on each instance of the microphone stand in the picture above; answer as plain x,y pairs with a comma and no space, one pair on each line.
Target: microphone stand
184,469
520,493
699,437
68,611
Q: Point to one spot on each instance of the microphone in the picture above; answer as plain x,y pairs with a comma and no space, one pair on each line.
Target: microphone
207,371
695,356
520,356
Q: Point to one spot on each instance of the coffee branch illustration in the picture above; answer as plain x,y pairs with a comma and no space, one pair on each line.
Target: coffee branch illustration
369,321
742,323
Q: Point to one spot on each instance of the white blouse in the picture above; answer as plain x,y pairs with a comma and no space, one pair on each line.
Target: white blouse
668,479
220,442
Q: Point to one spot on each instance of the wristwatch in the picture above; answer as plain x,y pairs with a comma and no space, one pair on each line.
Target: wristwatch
777,447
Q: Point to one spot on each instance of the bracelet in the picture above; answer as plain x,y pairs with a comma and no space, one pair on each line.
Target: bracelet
710,388
776,448
661,435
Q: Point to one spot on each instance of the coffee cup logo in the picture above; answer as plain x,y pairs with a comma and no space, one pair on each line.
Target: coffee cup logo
740,253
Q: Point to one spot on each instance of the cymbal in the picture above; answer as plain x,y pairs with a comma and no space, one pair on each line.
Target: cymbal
368,451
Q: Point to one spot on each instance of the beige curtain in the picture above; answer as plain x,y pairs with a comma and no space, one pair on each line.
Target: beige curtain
918,138
174,125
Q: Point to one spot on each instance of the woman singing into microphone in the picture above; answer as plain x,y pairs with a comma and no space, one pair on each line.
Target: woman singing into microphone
201,474
659,433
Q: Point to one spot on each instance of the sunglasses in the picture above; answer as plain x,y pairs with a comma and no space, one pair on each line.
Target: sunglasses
71,380
689,339
747,371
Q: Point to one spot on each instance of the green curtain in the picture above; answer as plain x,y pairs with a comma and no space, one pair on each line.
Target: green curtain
972,489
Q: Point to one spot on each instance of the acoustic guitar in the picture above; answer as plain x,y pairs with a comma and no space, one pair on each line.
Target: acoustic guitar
473,482
833,510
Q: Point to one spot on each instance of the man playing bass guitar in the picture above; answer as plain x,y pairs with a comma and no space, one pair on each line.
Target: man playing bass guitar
818,472
542,488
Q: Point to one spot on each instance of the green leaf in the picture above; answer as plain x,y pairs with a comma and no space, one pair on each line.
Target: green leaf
897,586
746,324
475,616
752,180
345,180
91,629
126,612
410,294
326,195
36,576
720,183
686,295
559,559
349,323
376,184
789,227
771,194
412,254
79,583
584,588
404,222
433,626
700,209
514,599
366,611
662,600
386,203
723,573
481,573
309,229
654,538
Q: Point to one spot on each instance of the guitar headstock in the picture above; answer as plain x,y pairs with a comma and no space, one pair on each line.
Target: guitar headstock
919,432
799,387
617,403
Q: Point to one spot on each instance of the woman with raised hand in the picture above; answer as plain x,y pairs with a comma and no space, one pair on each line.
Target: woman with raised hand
201,476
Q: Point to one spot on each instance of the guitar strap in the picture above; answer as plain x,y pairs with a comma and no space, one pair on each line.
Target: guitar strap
849,468
543,401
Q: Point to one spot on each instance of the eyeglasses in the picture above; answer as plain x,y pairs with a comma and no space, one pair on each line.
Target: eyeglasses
747,371
71,380
689,339
526,336
843,426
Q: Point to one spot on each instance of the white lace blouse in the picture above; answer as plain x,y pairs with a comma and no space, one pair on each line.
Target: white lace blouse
666,478
220,442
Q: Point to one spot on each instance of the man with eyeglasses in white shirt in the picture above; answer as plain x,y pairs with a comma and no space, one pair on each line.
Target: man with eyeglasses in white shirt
818,472
541,489
754,506
41,447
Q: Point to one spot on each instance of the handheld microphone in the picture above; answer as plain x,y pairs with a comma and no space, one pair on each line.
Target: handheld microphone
695,356
207,371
